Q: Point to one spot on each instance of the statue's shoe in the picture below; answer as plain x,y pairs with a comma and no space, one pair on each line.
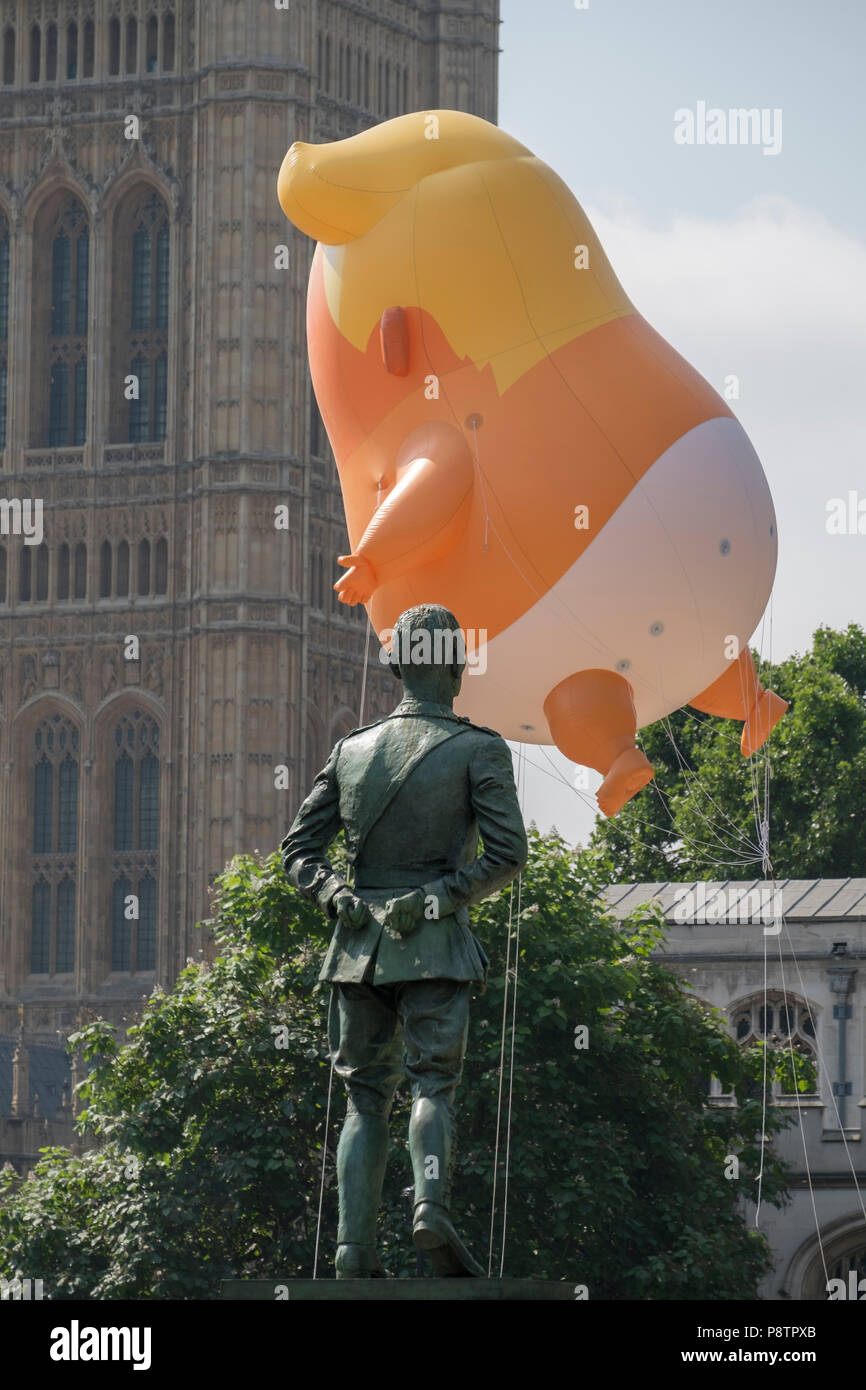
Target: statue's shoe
432,1232
358,1262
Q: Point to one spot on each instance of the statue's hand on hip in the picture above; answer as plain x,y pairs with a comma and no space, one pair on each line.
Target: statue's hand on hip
404,914
350,910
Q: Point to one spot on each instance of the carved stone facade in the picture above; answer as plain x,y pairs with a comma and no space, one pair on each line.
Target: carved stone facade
164,644
800,990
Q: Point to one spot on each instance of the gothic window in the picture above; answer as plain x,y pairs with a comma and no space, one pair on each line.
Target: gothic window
51,53
138,406
168,43
160,393
782,1023
124,775
114,47
136,841
151,44
842,1267
59,407
140,317
144,567
54,852
105,558
147,923
80,403
35,52
328,63
61,244
133,942
123,569
151,572
160,313
149,802
71,51
9,56
2,574
387,87
405,89
42,573
40,952
367,80
89,46
121,923
63,572
24,574
80,571
4,324
131,45
136,783
82,253
65,960
161,567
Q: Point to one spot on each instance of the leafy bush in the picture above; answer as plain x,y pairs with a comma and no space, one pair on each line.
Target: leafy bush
209,1120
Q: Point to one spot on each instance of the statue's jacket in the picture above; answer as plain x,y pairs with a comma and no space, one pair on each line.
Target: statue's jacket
412,793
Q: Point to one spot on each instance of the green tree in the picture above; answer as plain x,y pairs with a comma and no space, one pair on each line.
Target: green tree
701,816
209,1121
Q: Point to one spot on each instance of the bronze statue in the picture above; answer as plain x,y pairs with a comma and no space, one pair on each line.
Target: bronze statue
412,791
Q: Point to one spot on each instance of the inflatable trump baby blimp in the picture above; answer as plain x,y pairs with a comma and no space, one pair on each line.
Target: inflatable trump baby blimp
515,442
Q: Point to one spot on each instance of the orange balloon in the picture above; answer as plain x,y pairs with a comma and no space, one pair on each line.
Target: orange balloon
515,442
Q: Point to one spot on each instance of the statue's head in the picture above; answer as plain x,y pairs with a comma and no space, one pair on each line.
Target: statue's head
428,653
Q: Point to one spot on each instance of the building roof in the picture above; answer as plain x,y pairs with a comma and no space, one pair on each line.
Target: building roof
827,899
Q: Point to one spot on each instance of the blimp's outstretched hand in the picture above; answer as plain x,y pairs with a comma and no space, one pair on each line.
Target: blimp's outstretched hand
422,517
359,582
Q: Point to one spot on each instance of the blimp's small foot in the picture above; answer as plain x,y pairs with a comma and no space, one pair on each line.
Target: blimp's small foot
631,771
738,694
763,718
592,720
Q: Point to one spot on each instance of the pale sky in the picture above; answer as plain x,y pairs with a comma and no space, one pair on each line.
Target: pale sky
750,264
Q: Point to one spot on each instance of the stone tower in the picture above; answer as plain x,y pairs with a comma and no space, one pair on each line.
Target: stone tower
165,644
